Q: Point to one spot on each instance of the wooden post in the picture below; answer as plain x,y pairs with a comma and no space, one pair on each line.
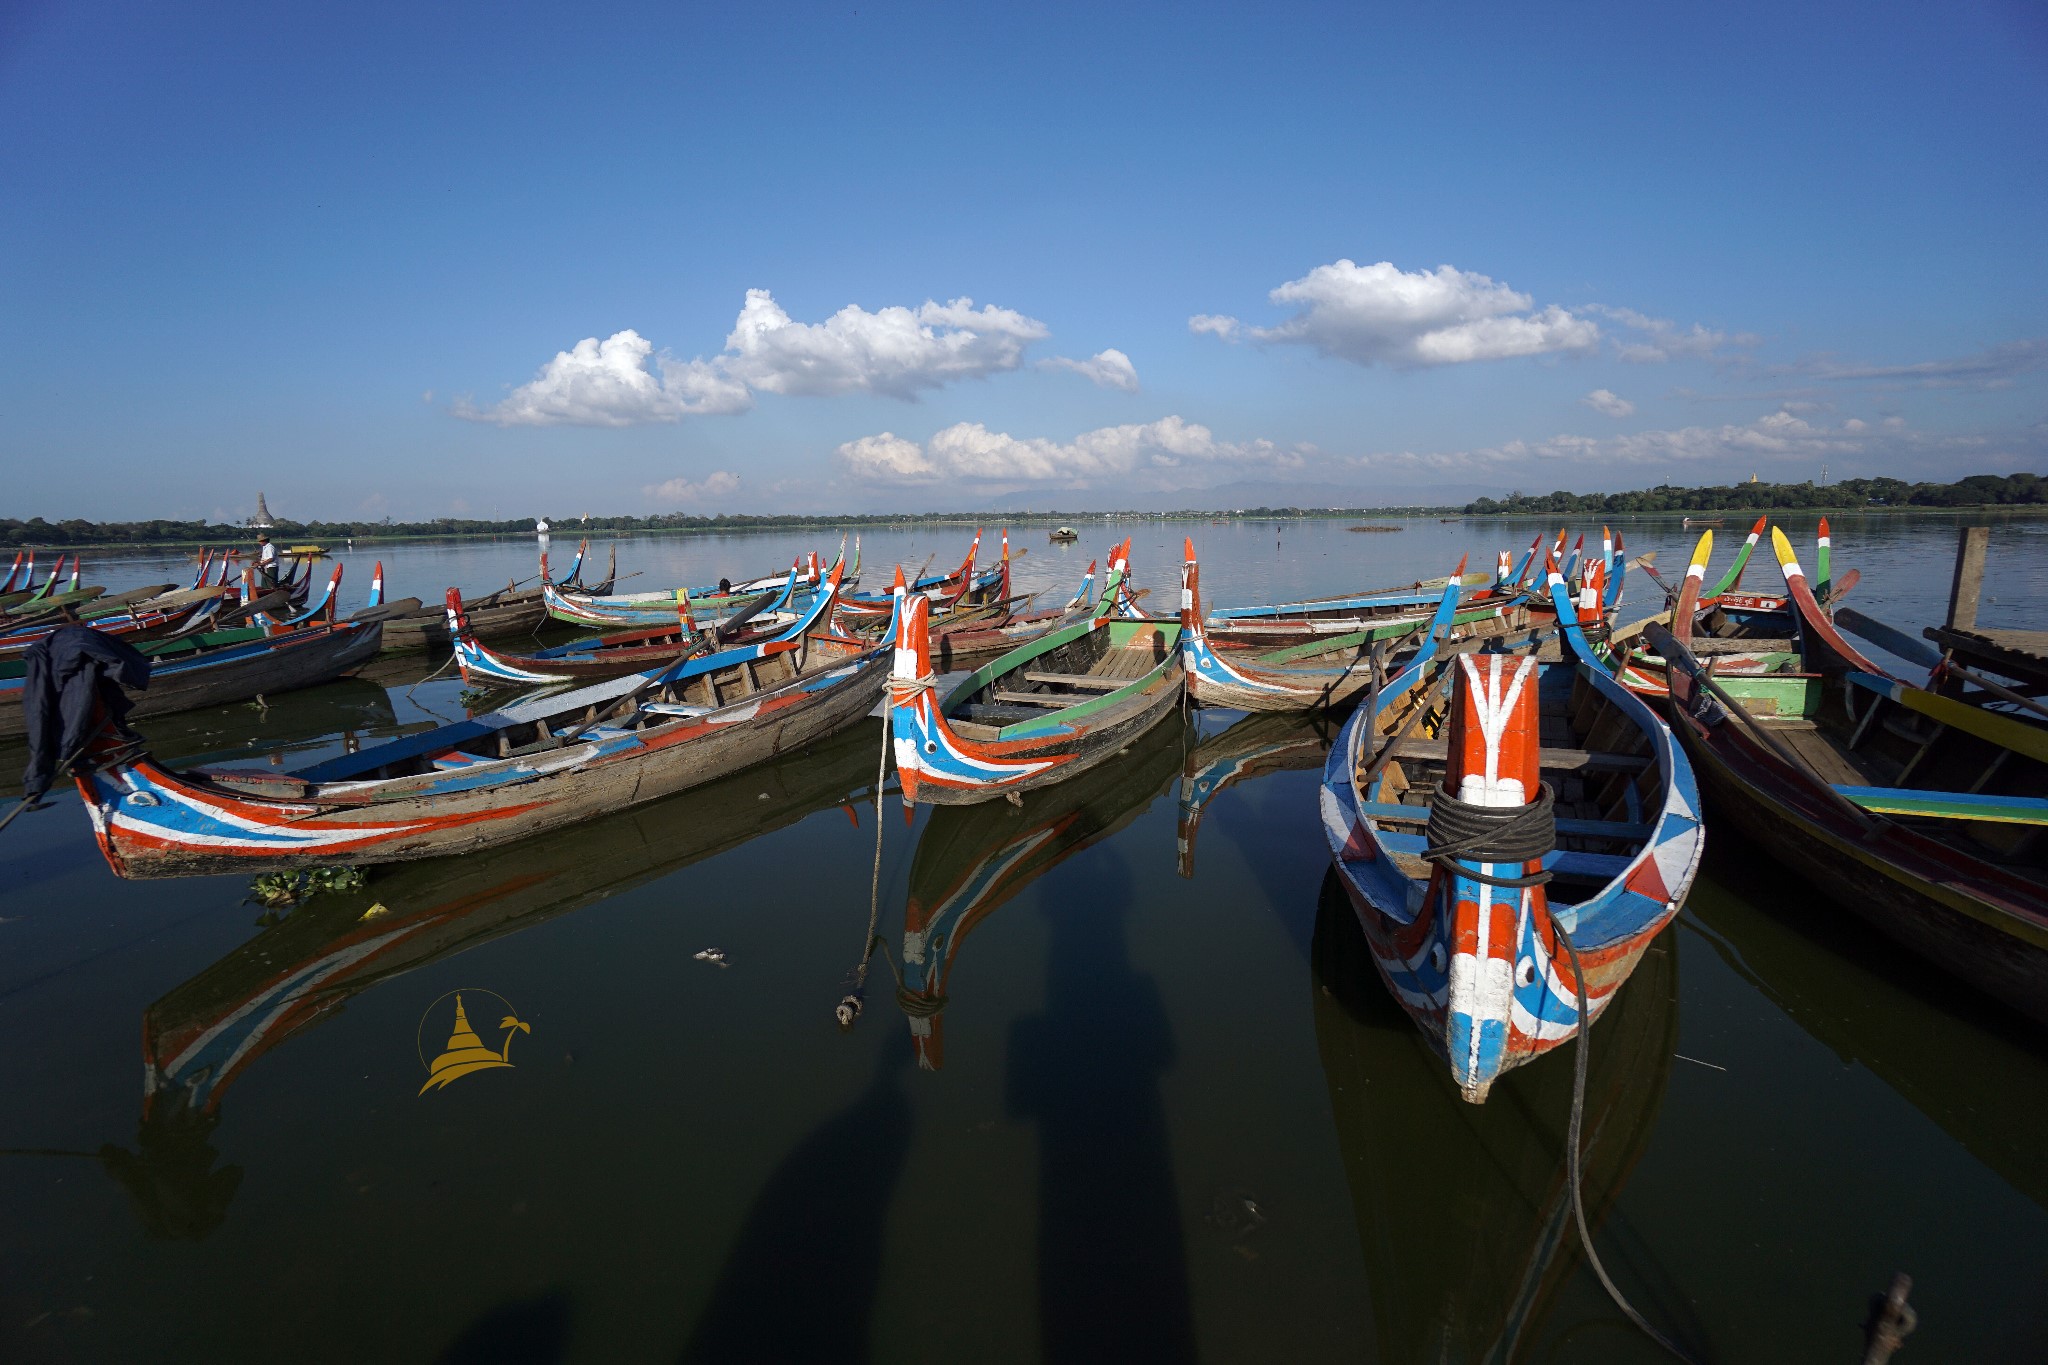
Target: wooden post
1969,581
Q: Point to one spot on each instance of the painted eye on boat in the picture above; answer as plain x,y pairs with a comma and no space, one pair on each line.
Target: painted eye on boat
1525,972
931,746
1436,956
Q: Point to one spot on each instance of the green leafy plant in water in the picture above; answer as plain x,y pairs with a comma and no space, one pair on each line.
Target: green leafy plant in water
281,891
473,697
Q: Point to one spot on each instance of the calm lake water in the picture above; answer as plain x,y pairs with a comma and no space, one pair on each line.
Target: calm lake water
1125,1087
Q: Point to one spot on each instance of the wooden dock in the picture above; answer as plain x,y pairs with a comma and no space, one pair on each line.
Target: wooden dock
2021,655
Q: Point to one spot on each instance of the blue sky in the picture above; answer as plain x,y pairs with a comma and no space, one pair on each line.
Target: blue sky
1051,256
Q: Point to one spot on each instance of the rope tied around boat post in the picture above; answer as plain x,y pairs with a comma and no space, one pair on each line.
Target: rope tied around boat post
1460,834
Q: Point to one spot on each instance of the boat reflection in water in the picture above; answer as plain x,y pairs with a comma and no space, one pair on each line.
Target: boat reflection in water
1938,1044
972,860
1464,1214
202,1035
1252,747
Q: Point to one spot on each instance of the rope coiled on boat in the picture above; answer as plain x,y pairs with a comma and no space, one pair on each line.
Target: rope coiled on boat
1461,834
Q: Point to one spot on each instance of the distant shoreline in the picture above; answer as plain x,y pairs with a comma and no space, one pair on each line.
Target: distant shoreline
217,536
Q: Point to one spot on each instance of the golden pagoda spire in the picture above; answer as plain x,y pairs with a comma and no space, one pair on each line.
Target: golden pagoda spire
466,1051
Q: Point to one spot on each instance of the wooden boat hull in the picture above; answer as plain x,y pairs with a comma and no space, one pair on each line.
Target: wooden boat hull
429,629
1479,966
1926,902
153,823
278,663
952,753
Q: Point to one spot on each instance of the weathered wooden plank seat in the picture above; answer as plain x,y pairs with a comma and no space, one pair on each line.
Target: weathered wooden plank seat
1054,700
1080,680
1001,714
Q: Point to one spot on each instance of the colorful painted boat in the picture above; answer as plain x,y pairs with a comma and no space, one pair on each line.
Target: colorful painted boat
1463,1212
552,761
606,611
1747,633
1919,813
609,656
1329,672
1489,967
973,860
216,667
1037,715
990,621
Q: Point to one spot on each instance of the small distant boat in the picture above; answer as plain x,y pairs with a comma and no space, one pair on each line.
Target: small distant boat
1065,535
1375,528
306,551
1690,522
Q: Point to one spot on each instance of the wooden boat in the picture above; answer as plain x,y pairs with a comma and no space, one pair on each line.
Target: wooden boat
945,591
1327,673
973,860
1920,813
614,611
215,667
1039,714
614,655
1064,535
1287,624
1599,805
988,621
410,627
1747,633
1464,1214
538,765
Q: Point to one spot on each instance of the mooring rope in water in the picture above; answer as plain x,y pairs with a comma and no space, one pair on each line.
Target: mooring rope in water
1579,1066
848,1009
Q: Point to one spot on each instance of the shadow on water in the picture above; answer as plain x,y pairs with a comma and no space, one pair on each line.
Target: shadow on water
800,1281
1464,1214
533,1330
1112,1264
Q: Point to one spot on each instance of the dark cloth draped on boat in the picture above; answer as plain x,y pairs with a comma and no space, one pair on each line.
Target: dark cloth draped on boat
68,672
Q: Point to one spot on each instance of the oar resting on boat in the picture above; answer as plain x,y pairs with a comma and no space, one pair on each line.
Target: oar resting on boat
1508,886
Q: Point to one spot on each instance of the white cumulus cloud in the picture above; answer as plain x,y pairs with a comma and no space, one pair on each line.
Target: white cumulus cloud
897,351
1380,314
717,484
1110,369
969,450
617,382
1609,402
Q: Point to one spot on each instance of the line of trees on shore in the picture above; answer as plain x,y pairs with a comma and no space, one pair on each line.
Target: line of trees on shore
1978,490
78,532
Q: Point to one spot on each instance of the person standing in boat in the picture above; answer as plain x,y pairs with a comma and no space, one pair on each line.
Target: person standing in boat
266,561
